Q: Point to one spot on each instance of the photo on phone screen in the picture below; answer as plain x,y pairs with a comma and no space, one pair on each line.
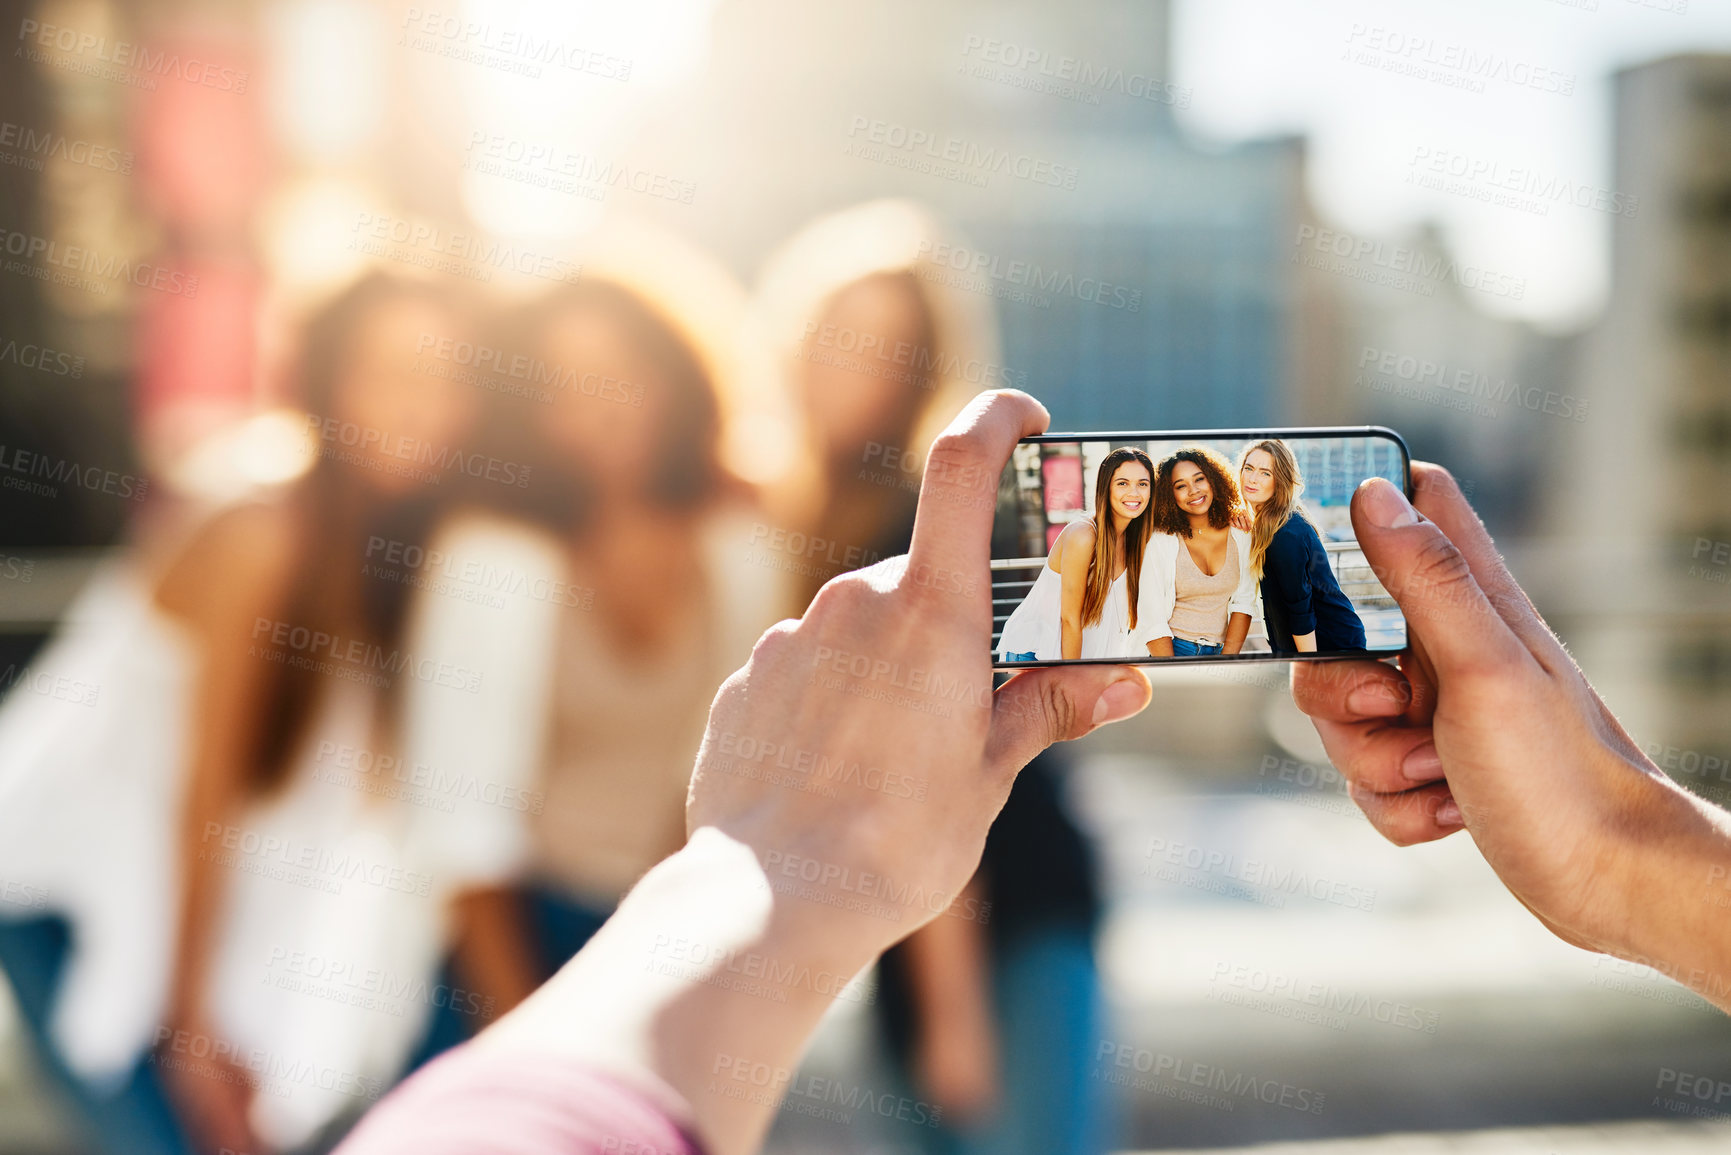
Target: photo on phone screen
1223,545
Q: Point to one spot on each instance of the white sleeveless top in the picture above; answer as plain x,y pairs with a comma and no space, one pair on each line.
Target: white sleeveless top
335,891
1036,626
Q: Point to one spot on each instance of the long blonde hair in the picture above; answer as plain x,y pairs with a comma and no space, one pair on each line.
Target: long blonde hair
809,270
1271,515
894,239
1136,534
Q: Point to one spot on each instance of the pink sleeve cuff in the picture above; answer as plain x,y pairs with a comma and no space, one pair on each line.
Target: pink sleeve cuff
480,1102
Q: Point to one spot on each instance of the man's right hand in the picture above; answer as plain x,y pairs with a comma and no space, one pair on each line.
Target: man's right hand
1489,725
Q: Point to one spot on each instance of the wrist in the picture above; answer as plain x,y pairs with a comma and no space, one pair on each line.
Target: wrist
728,977
715,871
1672,865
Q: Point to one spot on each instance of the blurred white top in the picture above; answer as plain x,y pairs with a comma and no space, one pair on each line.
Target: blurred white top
336,888
332,939
92,743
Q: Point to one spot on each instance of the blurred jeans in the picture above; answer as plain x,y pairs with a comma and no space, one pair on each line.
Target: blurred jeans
559,926
1185,648
132,1117
1050,1018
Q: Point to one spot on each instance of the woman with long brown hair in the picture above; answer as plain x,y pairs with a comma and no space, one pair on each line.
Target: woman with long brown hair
1085,602
244,774
1302,603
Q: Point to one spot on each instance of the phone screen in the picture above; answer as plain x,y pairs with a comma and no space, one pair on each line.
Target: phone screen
1223,545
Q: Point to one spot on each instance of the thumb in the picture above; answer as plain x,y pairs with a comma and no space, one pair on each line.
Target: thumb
1433,582
1039,707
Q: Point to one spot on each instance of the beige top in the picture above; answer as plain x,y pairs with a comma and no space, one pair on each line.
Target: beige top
625,729
1200,612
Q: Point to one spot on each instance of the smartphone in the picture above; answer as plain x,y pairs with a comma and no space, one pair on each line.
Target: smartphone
1213,545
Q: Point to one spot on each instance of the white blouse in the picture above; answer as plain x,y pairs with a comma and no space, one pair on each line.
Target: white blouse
1160,577
335,889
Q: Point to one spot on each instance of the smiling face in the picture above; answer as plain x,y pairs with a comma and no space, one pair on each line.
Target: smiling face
1191,489
382,391
1256,479
1132,490
616,442
868,393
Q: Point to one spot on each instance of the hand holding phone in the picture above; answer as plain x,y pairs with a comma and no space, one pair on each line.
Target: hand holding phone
1489,725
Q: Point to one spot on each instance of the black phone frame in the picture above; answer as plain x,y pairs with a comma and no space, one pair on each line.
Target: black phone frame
1254,433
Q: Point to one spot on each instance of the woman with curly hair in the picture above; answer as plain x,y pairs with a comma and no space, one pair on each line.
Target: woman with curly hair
1201,602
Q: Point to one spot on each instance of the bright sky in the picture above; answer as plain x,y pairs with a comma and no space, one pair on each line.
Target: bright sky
1257,67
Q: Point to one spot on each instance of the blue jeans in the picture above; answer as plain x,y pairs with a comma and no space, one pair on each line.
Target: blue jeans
1022,657
132,1116
1051,1016
560,927
1184,648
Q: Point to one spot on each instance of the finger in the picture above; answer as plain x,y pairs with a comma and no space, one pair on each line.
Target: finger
1430,578
1412,816
1039,707
1420,674
1441,500
1350,691
1385,757
959,494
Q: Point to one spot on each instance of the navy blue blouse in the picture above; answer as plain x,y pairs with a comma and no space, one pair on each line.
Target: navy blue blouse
1300,595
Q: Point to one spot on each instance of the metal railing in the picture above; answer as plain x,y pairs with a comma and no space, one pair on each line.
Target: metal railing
1345,559
36,586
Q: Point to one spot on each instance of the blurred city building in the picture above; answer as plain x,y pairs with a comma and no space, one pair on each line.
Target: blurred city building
1645,509
1142,281
1147,280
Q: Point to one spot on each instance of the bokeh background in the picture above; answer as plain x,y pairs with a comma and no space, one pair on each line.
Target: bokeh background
1502,227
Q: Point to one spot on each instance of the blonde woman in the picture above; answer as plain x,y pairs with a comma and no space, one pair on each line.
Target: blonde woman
1302,603
873,349
860,353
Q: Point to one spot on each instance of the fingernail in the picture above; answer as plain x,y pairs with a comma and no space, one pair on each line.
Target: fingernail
1423,764
1120,700
1385,505
1374,702
1449,814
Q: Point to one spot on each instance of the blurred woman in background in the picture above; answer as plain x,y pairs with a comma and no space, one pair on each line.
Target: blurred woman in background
647,528
1206,588
1302,602
991,1011
871,354
1084,603
266,683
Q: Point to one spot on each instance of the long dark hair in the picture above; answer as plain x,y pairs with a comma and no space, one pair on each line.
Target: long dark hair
687,473
337,520
1169,518
1136,534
